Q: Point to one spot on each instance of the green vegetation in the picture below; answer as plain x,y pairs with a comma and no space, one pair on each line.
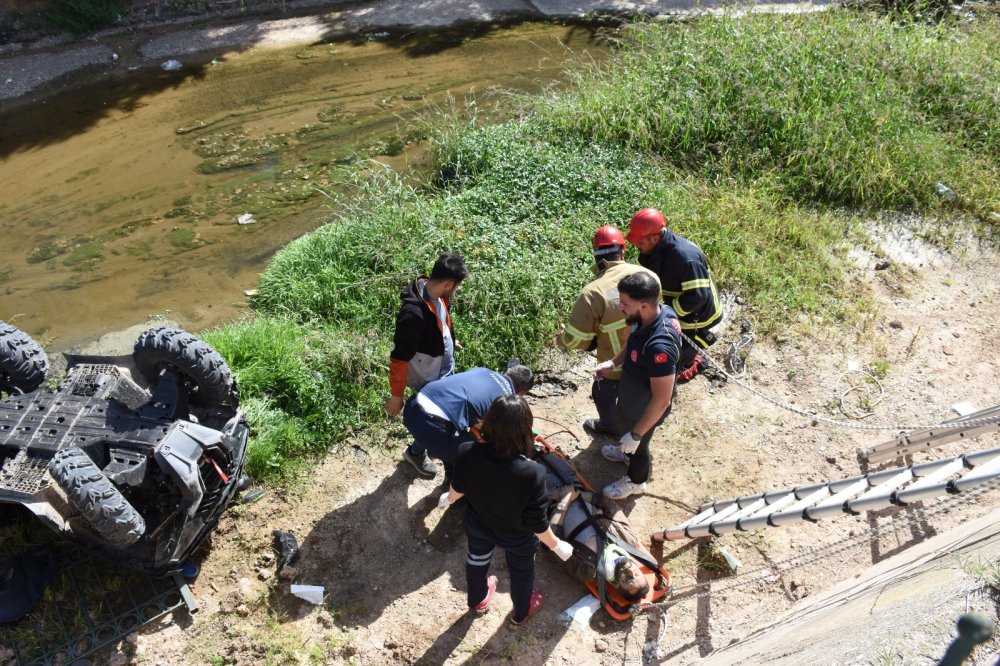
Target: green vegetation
183,238
836,107
751,133
84,252
985,572
83,16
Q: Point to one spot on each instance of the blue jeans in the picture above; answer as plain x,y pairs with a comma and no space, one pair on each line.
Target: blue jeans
432,435
520,552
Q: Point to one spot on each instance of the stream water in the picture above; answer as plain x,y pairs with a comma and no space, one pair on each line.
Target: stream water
120,201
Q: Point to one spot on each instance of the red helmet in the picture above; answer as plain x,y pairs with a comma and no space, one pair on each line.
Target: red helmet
608,240
647,221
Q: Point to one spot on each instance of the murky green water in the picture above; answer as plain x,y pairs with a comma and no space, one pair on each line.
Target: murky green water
121,201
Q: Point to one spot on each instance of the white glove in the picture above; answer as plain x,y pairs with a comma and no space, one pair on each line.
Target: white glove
606,365
629,444
563,549
443,501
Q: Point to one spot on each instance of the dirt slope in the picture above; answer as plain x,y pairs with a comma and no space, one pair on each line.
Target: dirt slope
392,565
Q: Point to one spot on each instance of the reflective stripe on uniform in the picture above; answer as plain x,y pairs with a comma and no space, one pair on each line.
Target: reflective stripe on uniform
696,284
573,337
716,304
482,560
612,332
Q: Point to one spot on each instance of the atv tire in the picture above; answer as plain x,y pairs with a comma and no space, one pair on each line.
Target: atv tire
23,363
96,498
166,347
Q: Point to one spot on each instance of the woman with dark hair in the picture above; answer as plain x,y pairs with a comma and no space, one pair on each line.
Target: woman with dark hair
506,506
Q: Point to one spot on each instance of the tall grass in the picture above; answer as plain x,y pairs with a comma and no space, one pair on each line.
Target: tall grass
302,387
839,108
749,133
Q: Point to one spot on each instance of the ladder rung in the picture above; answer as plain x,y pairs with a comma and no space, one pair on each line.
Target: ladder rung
918,489
731,523
794,512
835,504
759,519
880,496
979,474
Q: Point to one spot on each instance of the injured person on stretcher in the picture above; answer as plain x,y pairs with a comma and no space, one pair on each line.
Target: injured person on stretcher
608,557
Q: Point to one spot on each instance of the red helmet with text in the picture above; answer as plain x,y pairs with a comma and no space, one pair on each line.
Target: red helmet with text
647,221
608,240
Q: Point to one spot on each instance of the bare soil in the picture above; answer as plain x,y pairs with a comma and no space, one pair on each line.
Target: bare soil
392,565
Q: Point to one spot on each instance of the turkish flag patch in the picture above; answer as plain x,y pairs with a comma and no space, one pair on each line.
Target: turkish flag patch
661,358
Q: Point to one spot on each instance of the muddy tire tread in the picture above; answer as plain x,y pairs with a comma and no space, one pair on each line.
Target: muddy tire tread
166,346
23,362
96,498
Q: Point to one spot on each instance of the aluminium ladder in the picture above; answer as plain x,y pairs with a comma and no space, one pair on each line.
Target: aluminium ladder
962,427
892,487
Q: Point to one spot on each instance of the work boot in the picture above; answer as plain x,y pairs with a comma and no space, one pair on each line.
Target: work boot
422,463
595,426
623,488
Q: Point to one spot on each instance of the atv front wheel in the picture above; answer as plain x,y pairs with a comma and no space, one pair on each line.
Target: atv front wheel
96,498
172,348
23,362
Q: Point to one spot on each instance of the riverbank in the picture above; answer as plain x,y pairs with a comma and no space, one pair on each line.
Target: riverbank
33,65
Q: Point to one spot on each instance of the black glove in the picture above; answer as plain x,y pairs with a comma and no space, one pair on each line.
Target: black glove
289,548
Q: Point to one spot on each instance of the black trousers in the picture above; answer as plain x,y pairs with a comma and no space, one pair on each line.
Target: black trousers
640,463
605,395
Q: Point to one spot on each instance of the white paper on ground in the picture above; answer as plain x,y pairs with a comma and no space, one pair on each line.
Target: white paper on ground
964,408
578,615
311,593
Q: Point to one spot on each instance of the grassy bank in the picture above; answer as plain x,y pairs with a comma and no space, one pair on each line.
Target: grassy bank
750,133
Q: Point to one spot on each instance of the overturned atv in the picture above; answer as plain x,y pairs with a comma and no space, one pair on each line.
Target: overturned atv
133,456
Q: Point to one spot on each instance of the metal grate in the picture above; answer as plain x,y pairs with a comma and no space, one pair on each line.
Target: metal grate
25,473
91,604
86,380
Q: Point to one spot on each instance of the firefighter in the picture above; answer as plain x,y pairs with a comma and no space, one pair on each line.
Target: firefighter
597,323
685,281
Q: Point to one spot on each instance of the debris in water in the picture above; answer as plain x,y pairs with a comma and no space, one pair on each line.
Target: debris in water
171,65
246,218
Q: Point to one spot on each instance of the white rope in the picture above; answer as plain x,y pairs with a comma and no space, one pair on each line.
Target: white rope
825,419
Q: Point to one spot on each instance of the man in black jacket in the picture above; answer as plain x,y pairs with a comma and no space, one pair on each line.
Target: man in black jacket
424,341
685,281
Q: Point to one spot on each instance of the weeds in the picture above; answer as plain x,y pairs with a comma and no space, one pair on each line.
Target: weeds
83,16
839,108
986,573
751,133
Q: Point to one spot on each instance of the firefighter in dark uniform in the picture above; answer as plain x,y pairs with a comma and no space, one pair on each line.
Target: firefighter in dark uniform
646,388
685,280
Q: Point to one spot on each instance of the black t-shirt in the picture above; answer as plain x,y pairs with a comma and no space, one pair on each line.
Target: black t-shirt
507,494
651,351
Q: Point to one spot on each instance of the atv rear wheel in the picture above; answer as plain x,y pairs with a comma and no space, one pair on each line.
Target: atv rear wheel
172,348
96,498
23,362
